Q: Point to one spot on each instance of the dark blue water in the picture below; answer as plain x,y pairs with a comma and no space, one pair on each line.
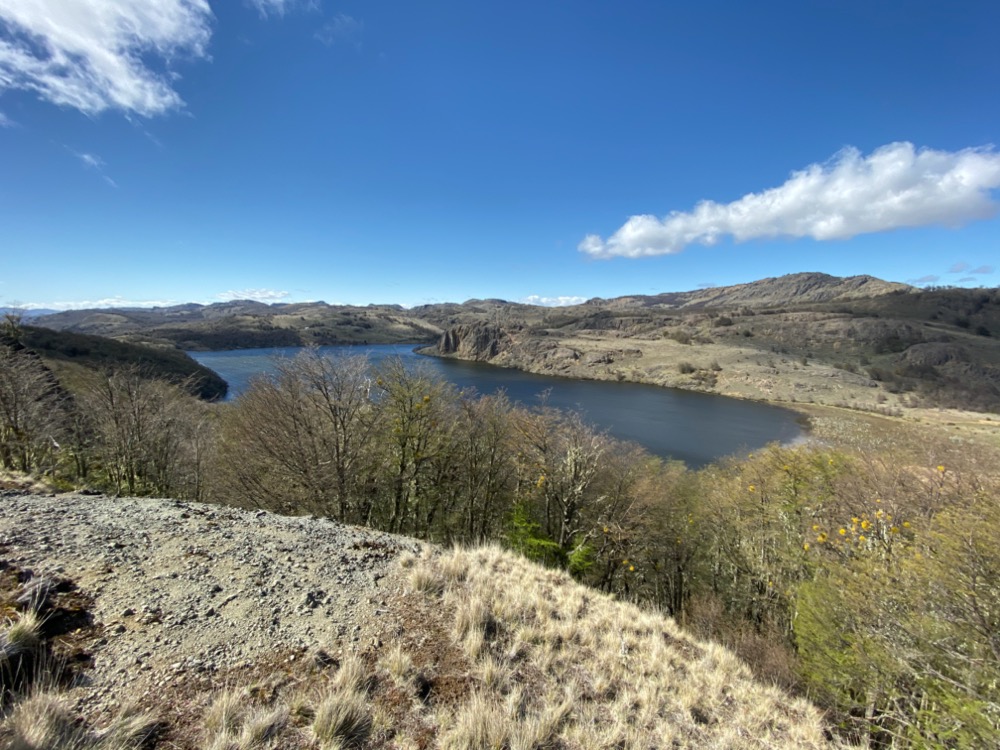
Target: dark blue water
696,428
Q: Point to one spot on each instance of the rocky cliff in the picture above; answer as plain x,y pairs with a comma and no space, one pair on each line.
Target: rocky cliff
479,342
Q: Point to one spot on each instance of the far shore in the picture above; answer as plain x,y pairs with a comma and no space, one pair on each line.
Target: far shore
845,405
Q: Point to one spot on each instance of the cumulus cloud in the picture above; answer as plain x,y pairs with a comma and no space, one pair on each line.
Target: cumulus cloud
96,55
895,186
563,301
258,295
982,270
342,28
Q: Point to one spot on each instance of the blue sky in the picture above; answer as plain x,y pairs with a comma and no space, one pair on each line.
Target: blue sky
163,151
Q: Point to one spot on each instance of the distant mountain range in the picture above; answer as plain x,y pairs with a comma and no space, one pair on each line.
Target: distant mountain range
27,314
248,324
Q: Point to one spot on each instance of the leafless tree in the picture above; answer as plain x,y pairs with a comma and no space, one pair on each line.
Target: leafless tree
300,439
31,412
140,428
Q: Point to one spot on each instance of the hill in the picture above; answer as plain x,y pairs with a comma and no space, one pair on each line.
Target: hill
792,289
71,355
803,338
811,338
217,627
246,324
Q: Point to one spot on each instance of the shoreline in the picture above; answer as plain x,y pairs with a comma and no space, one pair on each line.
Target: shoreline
982,428
813,417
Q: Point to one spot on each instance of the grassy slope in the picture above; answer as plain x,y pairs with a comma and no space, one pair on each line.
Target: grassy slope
478,649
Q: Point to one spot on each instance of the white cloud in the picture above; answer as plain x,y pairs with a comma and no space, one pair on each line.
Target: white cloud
97,304
341,29
5,122
959,267
982,269
268,8
258,295
894,186
535,299
92,161
95,55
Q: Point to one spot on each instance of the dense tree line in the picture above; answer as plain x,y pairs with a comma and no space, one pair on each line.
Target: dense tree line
865,583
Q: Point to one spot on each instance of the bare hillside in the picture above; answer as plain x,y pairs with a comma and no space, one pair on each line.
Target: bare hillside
243,629
791,289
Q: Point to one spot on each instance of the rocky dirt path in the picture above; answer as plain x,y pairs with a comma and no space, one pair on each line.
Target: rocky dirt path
182,595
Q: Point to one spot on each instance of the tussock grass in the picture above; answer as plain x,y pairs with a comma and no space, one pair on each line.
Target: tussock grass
44,721
398,665
224,715
35,716
343,720
492,652
352,677
424,581
20,636
557,665
344,716
481,722
235,722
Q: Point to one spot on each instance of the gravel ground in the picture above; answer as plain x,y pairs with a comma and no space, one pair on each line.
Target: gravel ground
185,594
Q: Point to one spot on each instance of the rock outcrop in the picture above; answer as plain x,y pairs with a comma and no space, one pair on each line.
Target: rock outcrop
480,342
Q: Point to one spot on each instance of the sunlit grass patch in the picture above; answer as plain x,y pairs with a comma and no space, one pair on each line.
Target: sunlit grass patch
558,665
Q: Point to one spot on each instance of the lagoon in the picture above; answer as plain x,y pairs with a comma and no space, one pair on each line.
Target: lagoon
696,428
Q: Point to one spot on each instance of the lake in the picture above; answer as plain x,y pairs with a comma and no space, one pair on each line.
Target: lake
696,428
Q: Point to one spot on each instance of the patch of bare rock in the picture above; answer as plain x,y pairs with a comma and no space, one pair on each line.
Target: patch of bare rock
185,595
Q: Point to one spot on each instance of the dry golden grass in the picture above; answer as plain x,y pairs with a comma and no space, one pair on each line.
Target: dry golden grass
556,664
19,637
235,722
398,665
485,650
44,721
39,717
343,720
